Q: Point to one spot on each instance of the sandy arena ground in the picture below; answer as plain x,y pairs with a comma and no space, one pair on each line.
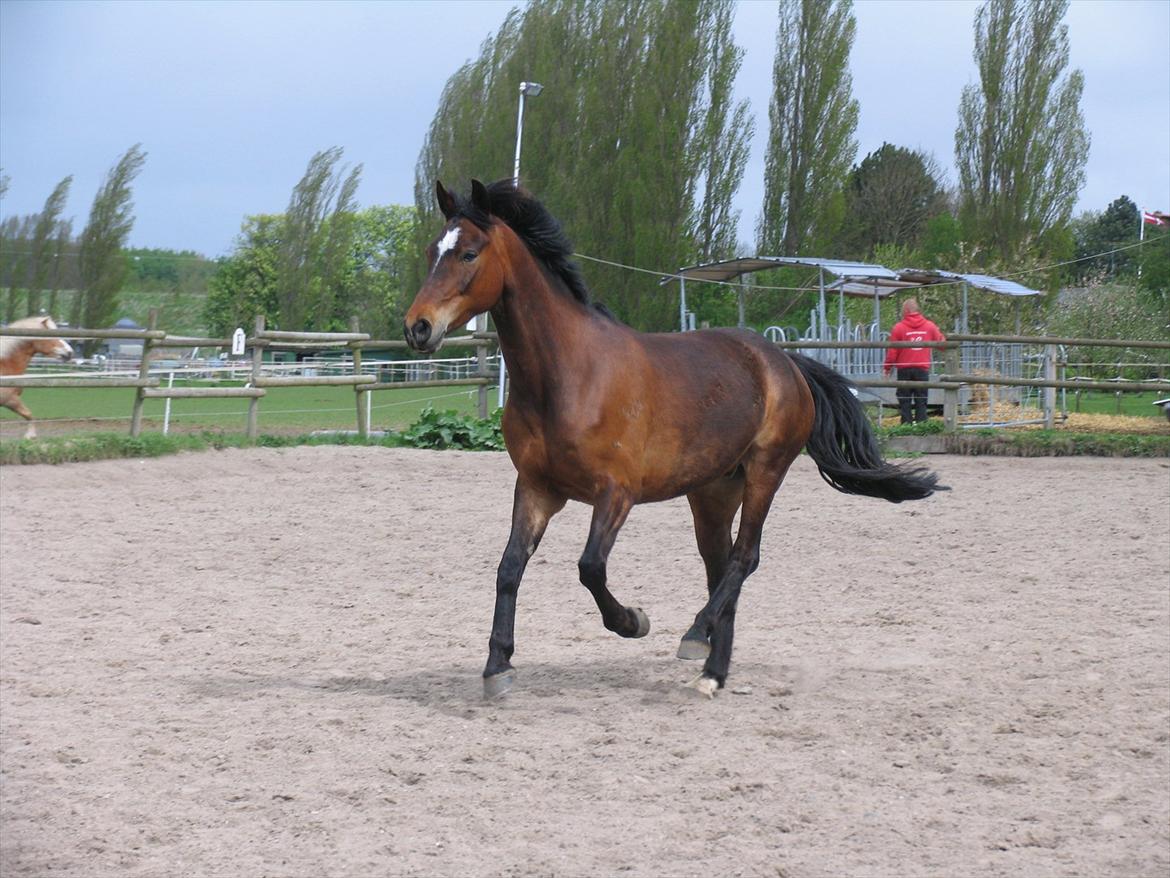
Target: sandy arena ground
266,663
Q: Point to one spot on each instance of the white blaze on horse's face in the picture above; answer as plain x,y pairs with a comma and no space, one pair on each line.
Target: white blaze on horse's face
446,245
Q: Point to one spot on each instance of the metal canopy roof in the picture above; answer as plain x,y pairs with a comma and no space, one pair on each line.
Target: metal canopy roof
878,286
733,268
979,281
854,278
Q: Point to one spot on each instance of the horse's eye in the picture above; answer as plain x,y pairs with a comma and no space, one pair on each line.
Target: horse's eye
470,256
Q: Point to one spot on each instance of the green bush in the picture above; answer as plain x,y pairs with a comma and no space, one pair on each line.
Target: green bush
449,429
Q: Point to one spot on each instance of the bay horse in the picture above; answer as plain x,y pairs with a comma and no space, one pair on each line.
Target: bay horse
16,351
605,415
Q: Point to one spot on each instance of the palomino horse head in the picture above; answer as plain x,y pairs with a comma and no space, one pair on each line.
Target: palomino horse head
467,270
52,347
23,347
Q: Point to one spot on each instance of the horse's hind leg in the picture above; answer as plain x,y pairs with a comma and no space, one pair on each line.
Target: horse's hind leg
717,618
713,506
531,511
609,514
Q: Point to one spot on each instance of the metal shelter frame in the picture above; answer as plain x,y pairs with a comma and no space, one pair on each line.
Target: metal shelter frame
853,279
732,269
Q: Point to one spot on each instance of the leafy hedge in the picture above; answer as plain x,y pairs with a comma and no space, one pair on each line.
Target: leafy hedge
449,429
1056,443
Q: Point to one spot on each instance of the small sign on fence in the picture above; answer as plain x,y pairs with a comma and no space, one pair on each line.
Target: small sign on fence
238,341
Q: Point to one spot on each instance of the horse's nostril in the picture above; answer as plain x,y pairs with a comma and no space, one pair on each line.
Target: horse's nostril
421,331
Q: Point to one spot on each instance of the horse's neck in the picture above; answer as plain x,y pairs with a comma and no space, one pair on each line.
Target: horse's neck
15,361
541,330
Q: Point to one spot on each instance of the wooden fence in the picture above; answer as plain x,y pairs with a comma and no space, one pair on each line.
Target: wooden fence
950,380
153,339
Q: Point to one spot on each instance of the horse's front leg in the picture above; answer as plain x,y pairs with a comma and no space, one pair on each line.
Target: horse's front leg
17,405
609,514
531,510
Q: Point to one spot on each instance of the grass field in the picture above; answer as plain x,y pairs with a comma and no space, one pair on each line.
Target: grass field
283,411
1100,402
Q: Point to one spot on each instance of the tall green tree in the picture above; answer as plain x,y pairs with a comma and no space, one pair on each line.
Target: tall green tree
316,242
102,262
1021,144
246,283
381,260
43,247
63,265
721,144
1099,236
371,278
812,121
635,143
15,237
890,198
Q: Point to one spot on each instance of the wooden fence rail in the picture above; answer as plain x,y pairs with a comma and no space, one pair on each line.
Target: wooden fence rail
261,339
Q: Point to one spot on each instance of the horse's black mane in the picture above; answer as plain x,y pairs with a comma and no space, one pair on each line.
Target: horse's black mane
538,229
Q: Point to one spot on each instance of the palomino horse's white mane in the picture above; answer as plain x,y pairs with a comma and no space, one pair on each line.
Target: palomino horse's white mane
9,343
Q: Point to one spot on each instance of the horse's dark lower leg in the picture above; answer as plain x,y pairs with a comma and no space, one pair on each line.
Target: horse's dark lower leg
717,618
531,511
713,507
609,514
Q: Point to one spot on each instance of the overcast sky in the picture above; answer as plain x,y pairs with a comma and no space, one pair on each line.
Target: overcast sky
231,99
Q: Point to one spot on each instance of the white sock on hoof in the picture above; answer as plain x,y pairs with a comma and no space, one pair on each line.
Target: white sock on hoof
705,685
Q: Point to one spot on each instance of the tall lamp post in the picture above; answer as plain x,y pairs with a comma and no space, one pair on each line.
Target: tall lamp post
526,88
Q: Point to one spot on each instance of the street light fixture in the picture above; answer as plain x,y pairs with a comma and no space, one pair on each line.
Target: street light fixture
526,89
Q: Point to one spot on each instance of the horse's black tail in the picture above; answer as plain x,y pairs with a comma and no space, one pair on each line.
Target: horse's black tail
844,447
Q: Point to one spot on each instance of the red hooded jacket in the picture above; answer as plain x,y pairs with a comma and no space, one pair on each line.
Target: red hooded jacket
912,327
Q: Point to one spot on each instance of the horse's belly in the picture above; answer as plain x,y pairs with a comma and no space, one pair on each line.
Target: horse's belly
676,464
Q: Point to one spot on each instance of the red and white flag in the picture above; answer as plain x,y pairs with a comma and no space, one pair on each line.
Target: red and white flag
1155,218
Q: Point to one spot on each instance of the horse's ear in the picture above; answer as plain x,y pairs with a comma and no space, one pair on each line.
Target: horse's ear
446,200
480,197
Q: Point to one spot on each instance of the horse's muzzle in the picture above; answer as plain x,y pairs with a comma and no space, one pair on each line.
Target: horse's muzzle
421,336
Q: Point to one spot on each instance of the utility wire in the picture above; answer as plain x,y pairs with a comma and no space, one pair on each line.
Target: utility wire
675,276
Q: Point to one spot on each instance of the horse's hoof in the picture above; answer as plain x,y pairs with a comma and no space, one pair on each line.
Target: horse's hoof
704,685
498,684
643,622
693,650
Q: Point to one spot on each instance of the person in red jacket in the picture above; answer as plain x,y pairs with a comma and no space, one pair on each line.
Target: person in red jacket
913,363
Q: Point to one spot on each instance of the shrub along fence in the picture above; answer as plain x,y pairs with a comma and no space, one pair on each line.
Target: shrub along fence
952,381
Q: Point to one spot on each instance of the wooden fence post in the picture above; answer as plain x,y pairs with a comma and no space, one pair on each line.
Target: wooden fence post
951,394
257,362
481,365
1049,392
363,421
143,374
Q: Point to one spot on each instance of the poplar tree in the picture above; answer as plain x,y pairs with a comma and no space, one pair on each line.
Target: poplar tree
635,144
102,264
63,263
1021,144
44,250
812,121
316,241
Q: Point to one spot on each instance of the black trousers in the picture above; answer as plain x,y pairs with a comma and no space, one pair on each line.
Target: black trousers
912,400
